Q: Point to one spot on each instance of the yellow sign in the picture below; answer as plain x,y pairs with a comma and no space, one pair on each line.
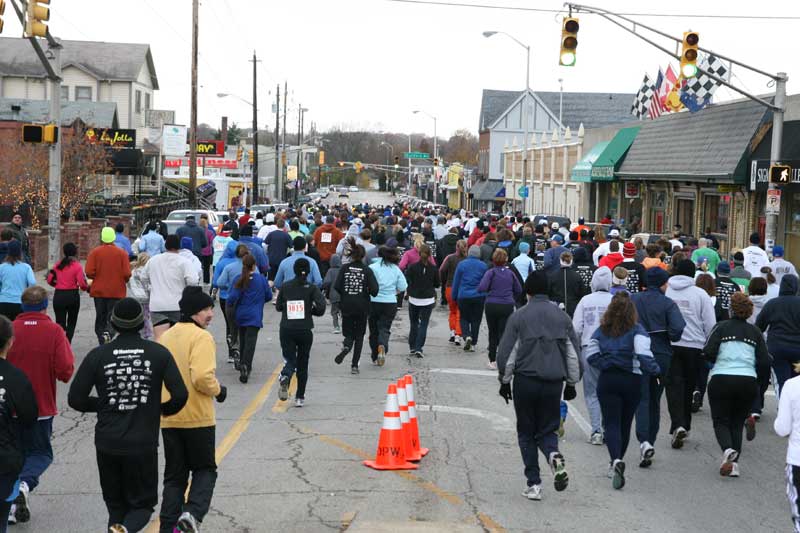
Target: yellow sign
291,172
453,175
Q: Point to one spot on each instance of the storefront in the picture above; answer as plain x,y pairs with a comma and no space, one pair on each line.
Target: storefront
489,196
789,218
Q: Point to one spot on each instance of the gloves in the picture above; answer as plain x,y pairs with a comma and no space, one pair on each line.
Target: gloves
505,391
569,392
223,393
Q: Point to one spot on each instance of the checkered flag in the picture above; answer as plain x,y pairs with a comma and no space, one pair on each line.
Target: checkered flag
704,87
642,100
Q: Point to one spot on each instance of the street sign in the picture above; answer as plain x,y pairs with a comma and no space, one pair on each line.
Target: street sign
773,202
523,192
416,155
780,174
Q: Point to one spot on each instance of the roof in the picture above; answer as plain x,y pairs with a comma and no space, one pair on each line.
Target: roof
488,190
104,61
710,144
493,104
593,110
97,114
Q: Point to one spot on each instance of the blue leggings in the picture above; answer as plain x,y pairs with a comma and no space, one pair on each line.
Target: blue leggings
619,393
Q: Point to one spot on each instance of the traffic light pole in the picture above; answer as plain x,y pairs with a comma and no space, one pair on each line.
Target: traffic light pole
54,185
277,142
771,229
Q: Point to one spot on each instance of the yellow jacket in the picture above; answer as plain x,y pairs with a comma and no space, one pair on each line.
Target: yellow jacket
194,352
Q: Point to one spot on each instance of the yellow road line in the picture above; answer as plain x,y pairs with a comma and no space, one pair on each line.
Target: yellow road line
280,406
233,435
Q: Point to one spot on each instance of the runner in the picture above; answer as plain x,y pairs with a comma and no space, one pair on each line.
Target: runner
227,269
780,266
741,361
248,294
286,269
423,280
447,274
565,287
139,290
151,243
15,276
128,414
186,252
585,320
68,278
334,267
109,269
383,306
42,351
198,237
188,435
787,424
298,301
545,357
353,286
754,256
468,275
327,238
780,321
18,412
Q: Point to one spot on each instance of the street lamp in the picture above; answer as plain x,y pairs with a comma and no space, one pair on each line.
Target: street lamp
435,153
527,48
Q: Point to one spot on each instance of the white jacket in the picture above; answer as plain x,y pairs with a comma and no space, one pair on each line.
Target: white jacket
696,308
586,318
754,259
787,423
781,267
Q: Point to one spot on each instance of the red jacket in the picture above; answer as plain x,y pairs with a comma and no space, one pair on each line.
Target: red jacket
109,269
611,260
326,238
474,236
41,350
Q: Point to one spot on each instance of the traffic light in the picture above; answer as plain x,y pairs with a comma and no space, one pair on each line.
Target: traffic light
50,133
358,166
37,15
689,54
569,41
39,133
250,156
436,162
2,10
396,161
341,163
780,174
239,153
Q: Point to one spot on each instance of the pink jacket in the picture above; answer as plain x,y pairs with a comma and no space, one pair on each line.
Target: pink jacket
72,277
410,257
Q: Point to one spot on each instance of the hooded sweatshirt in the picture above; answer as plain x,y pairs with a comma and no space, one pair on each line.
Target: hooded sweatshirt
390,281
662,320
501,286
590,309
780,316
468,276
696,308
355,284
329,283
228,257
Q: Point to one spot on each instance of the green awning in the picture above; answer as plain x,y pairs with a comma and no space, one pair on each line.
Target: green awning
582,171
601,166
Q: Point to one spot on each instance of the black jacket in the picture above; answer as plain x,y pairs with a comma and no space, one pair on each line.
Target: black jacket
726,288
196,233
355,284
780,317
737,330
298,301
636,276
17,408
423,280
565,287
127,375
585,271
445,247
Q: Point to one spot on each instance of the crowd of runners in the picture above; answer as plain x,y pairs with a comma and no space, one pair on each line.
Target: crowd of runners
631,320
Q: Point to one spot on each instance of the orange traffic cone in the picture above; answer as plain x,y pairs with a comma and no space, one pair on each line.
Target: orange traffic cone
408,447
412,415
390,454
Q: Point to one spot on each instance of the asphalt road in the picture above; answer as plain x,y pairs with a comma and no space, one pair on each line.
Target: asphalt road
299,469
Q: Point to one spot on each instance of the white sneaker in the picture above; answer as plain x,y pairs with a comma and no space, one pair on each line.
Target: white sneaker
337,331
12,514
299,402
729,458
678,436
734,470
596,439
187,523
492,365
646,452
457,342
534,492
23,510
117,528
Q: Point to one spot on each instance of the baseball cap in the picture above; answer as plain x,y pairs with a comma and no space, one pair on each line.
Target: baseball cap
613,233
555,225
777,251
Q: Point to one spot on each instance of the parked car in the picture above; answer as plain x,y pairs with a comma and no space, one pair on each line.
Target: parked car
324,192
353,188
305,199
177,218
343,193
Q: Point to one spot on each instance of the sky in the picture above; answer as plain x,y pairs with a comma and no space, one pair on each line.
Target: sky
371,63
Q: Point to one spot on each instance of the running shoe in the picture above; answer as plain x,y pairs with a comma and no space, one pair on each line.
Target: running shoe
697,401
23,510
750,427
244,373
419,354
646,453
729,458
678,436
283,390
559,468
534,492
236,359
457,342
618,480
12,514
381,355
596,438
231,360
299,402
117,528
342,354
468,345
452,339
412,352
491,365
187,523
354,370
561,431
337,331
734,470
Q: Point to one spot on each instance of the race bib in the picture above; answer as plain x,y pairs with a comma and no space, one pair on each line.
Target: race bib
327,237
296,309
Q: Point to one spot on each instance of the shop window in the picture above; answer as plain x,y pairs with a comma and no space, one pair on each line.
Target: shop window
684,214
715,214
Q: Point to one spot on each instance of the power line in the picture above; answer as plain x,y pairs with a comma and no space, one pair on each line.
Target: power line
542,10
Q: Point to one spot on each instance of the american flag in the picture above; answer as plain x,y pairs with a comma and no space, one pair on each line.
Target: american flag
656,105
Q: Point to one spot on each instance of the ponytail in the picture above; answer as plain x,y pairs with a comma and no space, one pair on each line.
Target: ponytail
248,266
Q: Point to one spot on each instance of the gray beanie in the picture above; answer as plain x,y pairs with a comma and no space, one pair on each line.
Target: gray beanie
474,251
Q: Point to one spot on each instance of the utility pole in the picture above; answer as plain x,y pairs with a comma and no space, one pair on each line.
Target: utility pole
771,229
54,189
193,119
284,158
254,167
299,160
277,142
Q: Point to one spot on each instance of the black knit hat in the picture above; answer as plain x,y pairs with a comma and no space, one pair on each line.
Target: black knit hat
193,300
685,267
127,315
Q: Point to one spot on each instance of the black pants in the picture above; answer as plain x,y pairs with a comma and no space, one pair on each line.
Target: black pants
419,316
248,336
701,382
296,347
619,393
130,487
222,304
537,404
381,316
680,386
730,398
470,313
102,319
10,310
66,305
205,262
187,451
231,327
354,327
496,318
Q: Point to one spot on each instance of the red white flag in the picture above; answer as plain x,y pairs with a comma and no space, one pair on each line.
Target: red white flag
670,79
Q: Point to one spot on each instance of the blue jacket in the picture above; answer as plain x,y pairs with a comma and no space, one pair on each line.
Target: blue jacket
468,276
254,244
152,243
286,270
390,279
661,319
278,245
121,241
250,301
552,259
629,352
228,257
13,280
